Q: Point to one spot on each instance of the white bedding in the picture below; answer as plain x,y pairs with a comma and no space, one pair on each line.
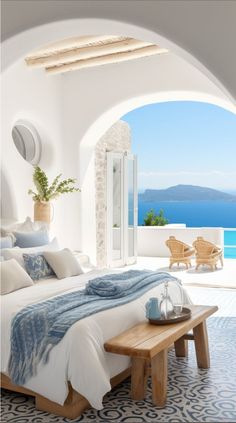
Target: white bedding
79,357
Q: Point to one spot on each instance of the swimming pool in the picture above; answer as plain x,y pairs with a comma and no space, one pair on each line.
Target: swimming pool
230,243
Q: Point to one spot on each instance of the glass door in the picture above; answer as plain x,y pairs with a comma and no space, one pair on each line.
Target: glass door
121,209
115,209
130,208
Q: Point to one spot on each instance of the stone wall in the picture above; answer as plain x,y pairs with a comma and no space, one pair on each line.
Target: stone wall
116,139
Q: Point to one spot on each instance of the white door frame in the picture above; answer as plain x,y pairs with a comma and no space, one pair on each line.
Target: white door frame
111,262
130,259
124,227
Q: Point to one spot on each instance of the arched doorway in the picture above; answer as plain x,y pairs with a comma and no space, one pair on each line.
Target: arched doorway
87,148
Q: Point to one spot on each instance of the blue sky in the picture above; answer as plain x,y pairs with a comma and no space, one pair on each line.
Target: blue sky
184,142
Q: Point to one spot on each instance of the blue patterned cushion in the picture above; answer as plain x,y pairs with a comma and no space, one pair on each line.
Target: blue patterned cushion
37,267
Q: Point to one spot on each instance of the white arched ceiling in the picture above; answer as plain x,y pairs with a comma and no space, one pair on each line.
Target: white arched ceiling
206,29
21,44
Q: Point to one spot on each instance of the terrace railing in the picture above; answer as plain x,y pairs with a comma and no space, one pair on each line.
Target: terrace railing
152,239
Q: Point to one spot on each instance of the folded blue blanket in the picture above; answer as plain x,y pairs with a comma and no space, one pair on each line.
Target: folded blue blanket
120,285
38,327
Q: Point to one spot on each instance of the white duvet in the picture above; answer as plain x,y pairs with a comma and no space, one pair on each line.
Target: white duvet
79,357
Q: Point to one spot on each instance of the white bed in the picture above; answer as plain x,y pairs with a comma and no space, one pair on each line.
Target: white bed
79,357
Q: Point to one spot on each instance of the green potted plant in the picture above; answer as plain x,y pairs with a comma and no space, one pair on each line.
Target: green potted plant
46,192
153,219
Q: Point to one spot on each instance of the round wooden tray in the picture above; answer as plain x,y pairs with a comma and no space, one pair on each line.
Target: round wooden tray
173,318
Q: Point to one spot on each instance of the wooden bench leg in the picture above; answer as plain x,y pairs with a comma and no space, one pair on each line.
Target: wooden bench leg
201,345
138,378
159,378
181,347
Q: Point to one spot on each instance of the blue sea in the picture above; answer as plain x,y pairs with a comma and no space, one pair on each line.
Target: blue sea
198,214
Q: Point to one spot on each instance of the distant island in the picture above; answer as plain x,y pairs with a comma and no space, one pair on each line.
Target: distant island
185,193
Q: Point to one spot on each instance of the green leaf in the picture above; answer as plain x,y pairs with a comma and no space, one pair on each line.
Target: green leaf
44,192
41,182
53,186
152,219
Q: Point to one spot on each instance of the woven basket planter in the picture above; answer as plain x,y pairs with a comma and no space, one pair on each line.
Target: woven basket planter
42,211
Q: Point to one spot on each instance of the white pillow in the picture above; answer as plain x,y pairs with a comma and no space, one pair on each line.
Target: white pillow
13,277
63,263
17,253
10,225
29,226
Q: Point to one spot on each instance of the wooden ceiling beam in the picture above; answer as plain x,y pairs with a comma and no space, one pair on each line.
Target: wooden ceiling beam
73,43
74,55
107,59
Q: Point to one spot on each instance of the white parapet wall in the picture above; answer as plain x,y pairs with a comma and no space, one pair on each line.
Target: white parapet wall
151,239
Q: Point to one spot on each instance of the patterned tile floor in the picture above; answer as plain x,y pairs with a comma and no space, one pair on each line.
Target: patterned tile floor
194,395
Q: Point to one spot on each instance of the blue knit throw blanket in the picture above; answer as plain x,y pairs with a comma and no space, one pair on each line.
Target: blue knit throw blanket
38,327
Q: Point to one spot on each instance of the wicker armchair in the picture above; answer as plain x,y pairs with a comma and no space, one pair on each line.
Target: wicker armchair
180,252
207,253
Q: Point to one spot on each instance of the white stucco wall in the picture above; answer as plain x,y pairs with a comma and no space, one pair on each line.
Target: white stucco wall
30,96
71,112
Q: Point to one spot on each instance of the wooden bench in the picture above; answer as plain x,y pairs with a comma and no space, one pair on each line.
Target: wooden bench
147,345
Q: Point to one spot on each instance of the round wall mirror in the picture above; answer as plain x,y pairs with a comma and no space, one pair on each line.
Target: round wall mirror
27,141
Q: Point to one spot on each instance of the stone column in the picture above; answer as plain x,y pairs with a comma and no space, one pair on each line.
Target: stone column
116,139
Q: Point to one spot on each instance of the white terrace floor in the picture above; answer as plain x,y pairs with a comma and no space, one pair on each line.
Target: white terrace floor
203,286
